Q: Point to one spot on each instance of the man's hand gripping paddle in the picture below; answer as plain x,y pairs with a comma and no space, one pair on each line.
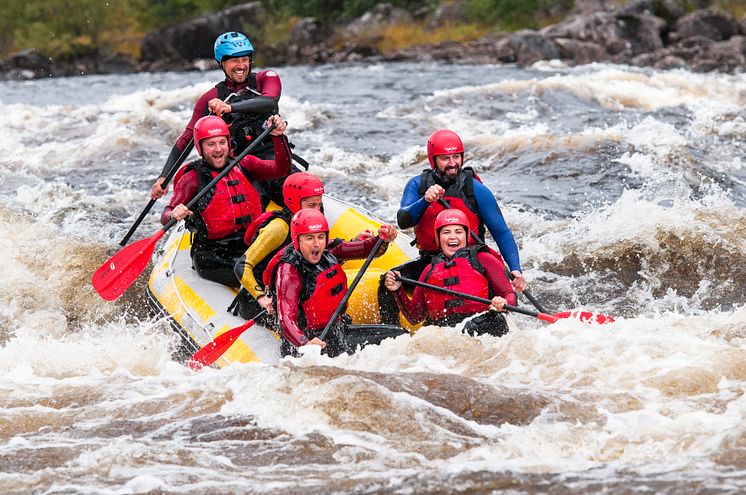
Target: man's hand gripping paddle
119,271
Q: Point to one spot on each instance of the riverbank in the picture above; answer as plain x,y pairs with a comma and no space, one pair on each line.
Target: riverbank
653,33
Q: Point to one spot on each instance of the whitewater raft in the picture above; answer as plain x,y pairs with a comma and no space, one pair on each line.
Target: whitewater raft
198,308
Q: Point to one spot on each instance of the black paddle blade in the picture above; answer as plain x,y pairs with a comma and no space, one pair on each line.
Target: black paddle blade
359,336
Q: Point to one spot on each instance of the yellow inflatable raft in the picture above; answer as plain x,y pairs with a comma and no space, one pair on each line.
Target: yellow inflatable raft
198,307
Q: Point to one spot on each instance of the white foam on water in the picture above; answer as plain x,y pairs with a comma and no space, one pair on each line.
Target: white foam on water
640,215
661,390
619,88
65,138
302,115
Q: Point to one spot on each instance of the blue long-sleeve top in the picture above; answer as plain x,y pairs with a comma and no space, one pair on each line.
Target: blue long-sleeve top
413,206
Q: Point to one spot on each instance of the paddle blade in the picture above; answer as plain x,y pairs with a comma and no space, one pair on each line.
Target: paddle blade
118,273
363,335
212,351
585,316
548,318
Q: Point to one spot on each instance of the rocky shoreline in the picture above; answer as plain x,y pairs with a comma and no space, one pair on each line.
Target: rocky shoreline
646,33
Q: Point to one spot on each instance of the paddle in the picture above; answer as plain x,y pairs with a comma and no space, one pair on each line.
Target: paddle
585,316
357,336
174,168
476,238
370,334
212,351
354,283
118,273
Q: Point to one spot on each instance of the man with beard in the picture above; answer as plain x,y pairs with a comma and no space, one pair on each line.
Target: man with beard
219,220
253,99
449,180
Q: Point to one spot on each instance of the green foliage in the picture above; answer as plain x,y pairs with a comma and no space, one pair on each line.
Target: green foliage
74,28
64,28
510,15
338,10
159,13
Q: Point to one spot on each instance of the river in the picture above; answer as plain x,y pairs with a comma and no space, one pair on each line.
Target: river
624,187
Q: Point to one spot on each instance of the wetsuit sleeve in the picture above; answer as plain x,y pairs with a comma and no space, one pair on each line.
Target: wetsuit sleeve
414,309
172,157
288,288
355,250
184,191
269,239
493,218
200,110
261,105
497,277
268,84
270,169
412,206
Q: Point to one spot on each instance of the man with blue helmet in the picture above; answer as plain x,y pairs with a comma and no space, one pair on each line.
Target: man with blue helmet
253,98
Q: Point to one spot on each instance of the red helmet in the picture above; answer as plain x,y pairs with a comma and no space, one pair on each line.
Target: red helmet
208,127
443,142
298,186
451,217
307,221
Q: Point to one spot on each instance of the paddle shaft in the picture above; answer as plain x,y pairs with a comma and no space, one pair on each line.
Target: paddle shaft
118,273
170,175
463,295
476,238
354,283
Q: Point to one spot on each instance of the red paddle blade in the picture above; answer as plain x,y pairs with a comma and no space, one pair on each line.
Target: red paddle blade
548,318
118,273
212,351
586,316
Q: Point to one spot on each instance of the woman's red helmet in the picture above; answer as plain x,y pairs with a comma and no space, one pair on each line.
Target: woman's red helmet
307,221
452,216
298,186
443,142
207,127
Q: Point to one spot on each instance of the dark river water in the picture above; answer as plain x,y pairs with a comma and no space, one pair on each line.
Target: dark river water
625,189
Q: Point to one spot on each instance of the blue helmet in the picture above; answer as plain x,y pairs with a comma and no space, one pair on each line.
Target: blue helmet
232,44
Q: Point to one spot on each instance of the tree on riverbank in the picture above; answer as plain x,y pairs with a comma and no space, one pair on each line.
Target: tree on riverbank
66,29
76,29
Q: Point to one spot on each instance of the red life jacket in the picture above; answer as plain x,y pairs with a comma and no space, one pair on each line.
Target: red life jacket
460,195
462,273
230,205
329,288
324,286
